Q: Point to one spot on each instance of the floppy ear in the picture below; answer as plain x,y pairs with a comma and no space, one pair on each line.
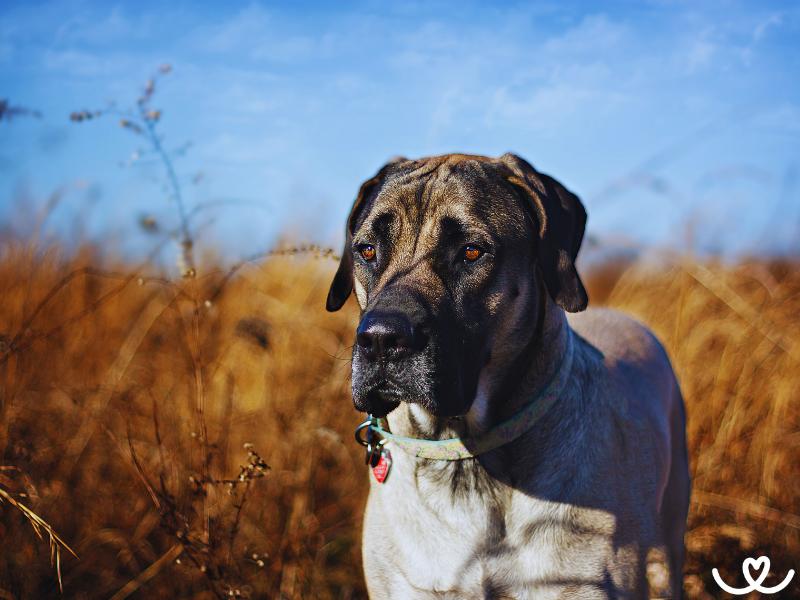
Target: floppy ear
561,220
342,285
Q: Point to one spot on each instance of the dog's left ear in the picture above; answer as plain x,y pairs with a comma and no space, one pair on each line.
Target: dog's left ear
342,285
561,220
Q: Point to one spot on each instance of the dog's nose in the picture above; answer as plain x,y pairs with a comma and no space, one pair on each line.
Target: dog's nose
387,336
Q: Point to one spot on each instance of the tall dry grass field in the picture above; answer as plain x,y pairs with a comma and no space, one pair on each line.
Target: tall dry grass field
193,439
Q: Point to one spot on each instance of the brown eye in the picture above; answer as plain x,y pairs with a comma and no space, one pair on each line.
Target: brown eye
472,253
367,252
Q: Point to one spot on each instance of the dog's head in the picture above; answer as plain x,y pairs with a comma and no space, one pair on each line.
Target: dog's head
446,256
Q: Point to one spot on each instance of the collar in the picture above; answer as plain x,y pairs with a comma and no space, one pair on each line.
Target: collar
500,435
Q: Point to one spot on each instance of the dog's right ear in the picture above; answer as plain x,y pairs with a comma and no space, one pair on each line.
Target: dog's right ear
342,285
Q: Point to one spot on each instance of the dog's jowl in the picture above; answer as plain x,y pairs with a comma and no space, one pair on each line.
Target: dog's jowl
533,454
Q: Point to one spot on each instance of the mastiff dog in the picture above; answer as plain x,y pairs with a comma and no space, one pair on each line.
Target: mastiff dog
517,451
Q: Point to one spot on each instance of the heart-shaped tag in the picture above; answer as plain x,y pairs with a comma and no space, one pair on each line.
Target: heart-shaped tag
381,470
761,567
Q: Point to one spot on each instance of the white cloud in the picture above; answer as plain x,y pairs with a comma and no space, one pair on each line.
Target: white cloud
256,34
783,118
700,54
773,20
593,34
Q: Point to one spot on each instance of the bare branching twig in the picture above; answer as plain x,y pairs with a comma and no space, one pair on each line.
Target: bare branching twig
143,119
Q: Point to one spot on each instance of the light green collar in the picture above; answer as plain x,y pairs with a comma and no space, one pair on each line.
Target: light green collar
500,435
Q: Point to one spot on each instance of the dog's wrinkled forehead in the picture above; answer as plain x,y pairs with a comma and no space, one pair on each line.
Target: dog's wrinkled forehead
427,200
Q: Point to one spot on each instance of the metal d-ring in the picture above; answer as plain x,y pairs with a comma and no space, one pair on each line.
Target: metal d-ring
373,447
362,427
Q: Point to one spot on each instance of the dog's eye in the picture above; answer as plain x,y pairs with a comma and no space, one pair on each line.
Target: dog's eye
367,251
472,253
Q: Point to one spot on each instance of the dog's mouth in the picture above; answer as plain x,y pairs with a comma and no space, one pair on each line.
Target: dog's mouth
423,379
380,399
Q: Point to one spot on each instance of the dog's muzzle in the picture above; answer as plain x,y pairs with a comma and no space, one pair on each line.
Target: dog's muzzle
388,352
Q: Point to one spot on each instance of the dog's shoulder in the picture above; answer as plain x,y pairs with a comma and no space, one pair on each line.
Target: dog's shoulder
633,384
622,341
639,383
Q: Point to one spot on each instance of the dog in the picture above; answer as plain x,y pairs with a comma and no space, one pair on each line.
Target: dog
532,455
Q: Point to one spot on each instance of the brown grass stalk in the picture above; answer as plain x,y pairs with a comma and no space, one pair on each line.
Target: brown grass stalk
39,524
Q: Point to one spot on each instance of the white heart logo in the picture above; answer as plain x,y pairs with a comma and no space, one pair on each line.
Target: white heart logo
761,563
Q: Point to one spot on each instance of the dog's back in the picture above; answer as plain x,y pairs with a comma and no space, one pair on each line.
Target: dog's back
637,360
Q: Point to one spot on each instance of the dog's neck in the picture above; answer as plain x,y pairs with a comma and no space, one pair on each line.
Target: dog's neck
496,400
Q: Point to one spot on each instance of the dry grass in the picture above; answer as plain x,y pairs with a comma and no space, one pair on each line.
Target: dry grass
136,412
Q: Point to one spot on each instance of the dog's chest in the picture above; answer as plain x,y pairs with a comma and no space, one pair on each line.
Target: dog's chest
430,542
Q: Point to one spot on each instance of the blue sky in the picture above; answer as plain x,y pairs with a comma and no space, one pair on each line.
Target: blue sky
672,120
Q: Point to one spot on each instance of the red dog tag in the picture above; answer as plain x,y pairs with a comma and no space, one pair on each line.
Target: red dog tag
381,470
